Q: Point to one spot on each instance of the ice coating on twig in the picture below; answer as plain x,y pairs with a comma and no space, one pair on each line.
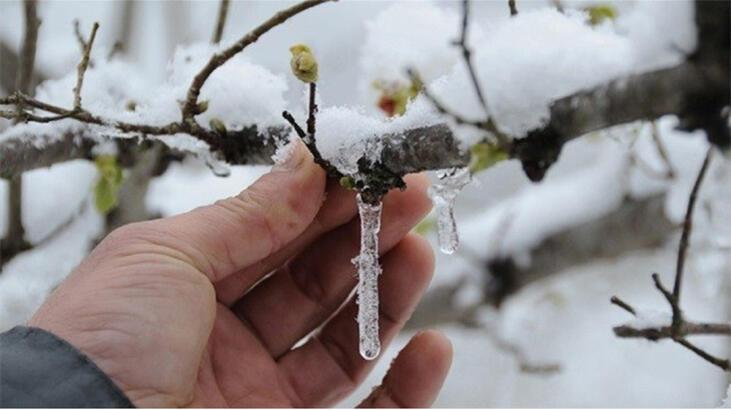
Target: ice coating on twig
443,195
368,271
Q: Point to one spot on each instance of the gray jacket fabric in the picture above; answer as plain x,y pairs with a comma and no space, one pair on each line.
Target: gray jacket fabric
39,369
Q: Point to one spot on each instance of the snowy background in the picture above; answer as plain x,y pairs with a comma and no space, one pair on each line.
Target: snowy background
523,64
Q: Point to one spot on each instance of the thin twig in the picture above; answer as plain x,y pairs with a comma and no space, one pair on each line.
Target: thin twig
83,66
221,23
28,50
312,110
79,36
308,137
722,363
14,241
688,226
218,59
666,332
661,150
622,304
513,8
488,124
679,328
439,106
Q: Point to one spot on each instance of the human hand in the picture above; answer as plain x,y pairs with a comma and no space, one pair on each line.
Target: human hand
180,311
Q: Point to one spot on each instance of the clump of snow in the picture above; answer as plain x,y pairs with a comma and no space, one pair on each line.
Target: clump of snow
646,25
344,135
726,403
526,62
409,34
285,149
238,93
522,221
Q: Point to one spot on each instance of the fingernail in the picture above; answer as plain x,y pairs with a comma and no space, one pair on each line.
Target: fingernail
290,157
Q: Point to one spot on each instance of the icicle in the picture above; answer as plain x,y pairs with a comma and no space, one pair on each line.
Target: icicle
218,167
443,194
368,271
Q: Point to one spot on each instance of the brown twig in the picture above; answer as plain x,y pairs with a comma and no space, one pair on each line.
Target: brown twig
28,50
221,22
83,66
688,226
661,150
513,8
79,36
679,327
488,124
308,137
14,241
191,102
622,304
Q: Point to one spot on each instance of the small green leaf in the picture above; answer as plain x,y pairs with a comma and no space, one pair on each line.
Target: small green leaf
106,190
600,13
484,155
303,63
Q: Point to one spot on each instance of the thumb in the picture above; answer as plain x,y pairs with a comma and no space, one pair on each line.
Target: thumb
233,233
416,375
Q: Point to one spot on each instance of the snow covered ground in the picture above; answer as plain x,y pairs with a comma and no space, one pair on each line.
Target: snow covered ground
523,64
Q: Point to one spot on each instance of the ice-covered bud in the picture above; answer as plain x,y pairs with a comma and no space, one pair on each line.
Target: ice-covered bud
303,63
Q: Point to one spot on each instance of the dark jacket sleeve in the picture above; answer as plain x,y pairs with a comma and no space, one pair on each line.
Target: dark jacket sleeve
38,369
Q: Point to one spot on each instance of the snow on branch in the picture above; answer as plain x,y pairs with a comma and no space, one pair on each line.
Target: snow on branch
688,91
639,97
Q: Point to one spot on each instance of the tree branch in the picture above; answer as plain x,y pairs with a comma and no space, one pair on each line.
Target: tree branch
645,96
14,240
679,327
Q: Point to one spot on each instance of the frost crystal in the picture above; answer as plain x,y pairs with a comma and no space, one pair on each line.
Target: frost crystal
443,194
368,271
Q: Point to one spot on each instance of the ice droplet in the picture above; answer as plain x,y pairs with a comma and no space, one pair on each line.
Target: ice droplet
368,271
443,195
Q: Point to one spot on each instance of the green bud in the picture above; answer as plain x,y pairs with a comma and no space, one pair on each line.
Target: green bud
201,107
218,126
303,63
600,13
